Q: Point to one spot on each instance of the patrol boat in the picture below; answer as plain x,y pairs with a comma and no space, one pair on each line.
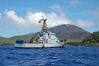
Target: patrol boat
44,38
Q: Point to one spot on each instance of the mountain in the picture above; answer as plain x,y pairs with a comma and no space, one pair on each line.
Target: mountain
67,31
64,31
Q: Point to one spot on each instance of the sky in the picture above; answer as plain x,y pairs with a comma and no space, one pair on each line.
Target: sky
19,17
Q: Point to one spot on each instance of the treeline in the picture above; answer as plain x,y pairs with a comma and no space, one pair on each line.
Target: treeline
92,39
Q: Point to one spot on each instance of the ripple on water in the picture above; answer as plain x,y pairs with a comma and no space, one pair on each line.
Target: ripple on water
67,56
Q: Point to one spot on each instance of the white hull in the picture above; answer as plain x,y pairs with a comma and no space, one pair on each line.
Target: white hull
32,45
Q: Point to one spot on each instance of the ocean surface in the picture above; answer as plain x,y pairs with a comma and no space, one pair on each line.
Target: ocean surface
65,56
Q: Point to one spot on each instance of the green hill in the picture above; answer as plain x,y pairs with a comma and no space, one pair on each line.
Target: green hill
12,39
92,39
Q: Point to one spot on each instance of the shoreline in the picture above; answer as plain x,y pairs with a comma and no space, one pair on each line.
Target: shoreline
66,44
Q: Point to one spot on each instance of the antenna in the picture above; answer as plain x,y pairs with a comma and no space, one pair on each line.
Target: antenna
44,27
42,19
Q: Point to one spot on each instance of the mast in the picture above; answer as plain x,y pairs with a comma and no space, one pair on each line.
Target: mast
44,27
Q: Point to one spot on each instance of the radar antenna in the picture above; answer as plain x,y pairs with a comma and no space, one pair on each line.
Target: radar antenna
44,27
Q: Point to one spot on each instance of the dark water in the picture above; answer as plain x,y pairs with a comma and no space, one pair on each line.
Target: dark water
66,56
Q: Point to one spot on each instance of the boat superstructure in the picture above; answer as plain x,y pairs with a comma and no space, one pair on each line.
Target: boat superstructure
43,38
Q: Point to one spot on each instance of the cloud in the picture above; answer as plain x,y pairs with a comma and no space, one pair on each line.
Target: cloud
56,7
84,23
95,13
88,25
12,15
54,19
32,18
26,21
73,2
12,24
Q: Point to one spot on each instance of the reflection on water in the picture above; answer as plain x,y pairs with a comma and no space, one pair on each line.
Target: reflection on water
65,56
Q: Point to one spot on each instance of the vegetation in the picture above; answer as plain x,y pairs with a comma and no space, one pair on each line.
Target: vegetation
12,40
73,42
92,39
